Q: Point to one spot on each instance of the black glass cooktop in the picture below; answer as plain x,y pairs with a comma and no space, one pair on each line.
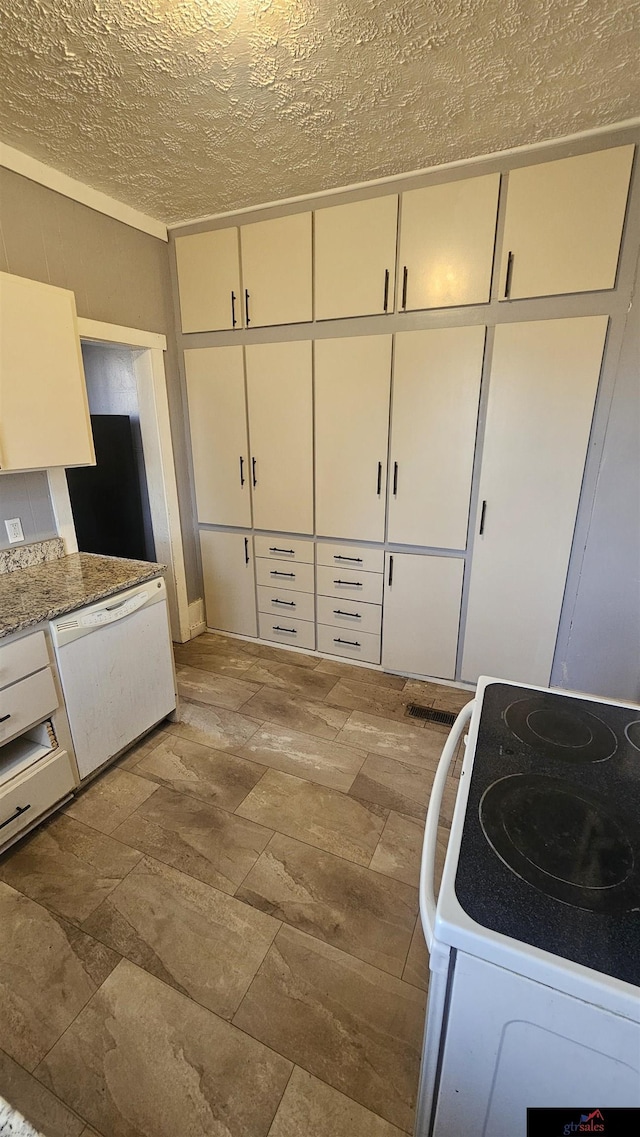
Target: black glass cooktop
550,851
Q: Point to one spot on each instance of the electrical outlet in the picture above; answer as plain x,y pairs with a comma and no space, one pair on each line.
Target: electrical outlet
14,530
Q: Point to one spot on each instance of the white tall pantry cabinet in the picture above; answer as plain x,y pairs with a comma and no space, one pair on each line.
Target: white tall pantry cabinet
346,463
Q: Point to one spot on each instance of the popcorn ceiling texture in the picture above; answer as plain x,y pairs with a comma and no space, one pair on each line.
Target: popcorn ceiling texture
189,107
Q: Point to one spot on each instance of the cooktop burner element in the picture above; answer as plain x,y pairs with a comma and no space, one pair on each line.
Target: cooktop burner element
562,841
633,733
568,733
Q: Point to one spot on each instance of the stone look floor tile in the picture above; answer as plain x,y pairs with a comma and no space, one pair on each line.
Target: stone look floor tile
328,763
210,775
416,969
399,849
288,676
133,755
310,1108
205,842
36,1103
354,909
437,695
192,936
402,787
366,697
348,1023
320,816
218,644
194,1074
284,709
48,971
68,867
213,726
389,739
220,662
360,674
220,690
110,798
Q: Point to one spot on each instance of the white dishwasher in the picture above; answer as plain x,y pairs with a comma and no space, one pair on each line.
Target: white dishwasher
116,668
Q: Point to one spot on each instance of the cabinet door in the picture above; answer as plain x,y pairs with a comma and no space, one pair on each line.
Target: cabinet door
44,414
544,379
564,223
436,388
279,390
209,280
355,258
447,238
353,379
229,582
421,614
276,271
218,424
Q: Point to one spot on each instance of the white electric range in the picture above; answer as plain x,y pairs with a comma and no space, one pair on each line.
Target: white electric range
534,995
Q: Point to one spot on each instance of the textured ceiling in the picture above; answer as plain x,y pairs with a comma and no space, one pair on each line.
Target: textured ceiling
188,107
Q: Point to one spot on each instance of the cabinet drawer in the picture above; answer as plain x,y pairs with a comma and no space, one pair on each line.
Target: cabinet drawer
350,614
297,577
22,657
284,549
301,633
350,556
26,703
352,645
32,794
350,583
280,602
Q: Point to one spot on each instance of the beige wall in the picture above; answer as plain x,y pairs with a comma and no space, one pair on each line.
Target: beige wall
119,275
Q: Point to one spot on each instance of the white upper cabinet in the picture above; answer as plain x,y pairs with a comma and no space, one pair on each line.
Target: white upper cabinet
436,388
280,397
447,237
355,258
353,379
44,413
209,280
422,598
218,422
229,582
276,271
544,379
564,224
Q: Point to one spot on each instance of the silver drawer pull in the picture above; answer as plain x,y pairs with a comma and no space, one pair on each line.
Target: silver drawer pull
3,718
351,643
356,560
351,583
274,572
339,612
288,603
275,549
14,816
277,628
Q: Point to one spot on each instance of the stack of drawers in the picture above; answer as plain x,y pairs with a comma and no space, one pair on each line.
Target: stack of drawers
285,582
350,581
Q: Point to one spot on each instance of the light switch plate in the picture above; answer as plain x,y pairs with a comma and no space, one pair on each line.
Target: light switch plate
14,530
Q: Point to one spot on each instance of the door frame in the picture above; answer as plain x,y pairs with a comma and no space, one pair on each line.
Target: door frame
151,384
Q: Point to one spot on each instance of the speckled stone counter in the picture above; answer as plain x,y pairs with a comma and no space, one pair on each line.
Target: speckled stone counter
13,1124
40,592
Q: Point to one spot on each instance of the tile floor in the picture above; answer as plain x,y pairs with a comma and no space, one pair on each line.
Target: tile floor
219,937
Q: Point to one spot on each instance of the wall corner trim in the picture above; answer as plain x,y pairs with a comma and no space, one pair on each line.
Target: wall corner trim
100,332
37,171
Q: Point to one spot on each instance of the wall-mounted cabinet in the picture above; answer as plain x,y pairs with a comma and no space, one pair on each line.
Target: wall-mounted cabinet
208,267
44,413
353,380
564,224
276,271
436,388
447,238
544,379
422,597
355,258
229,582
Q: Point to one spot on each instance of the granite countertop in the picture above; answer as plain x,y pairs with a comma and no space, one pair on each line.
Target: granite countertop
42,591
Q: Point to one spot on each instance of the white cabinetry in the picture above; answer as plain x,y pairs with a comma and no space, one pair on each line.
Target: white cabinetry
209,280
355,257
229,582
280,398
436,388
353,378
447,239
544,380
422,596
44,414
276,271
286,591
564,223
218,422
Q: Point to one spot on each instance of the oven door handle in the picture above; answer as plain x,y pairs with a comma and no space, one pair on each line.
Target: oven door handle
427,867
